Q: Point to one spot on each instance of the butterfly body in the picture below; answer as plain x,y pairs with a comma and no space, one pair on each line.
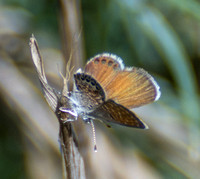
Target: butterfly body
106,90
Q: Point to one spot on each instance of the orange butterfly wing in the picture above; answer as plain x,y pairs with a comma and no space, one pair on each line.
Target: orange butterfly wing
130,87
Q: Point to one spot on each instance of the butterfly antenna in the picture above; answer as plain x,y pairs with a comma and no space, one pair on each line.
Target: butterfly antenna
68,69
94,135
60,73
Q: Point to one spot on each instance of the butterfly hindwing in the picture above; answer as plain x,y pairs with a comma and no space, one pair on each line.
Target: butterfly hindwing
110,111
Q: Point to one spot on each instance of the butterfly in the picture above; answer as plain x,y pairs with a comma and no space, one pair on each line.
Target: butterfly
107,90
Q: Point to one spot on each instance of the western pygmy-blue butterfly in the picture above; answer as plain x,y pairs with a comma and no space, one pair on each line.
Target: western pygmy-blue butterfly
106,90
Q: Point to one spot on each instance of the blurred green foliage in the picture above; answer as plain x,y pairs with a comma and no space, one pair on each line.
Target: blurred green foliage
11,150
163,37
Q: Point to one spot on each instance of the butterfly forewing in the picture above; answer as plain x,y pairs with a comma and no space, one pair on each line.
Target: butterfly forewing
89,93
130,87
104,68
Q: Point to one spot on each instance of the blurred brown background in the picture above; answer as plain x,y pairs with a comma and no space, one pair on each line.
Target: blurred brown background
163,37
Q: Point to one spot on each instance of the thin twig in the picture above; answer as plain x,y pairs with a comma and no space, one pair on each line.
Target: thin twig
74,165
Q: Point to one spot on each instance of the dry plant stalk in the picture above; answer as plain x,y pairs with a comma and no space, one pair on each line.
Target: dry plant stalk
72,159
